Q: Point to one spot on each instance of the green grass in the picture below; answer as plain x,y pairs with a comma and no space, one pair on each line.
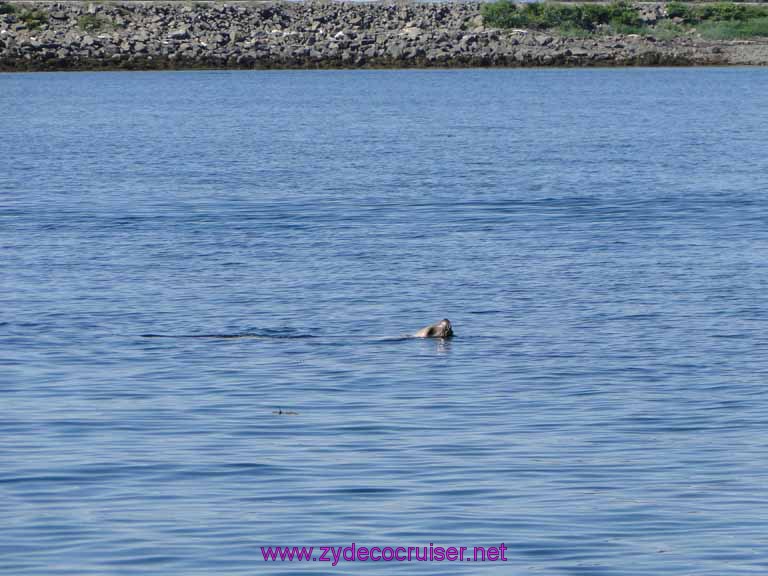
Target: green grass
733,29
615,28
667,30
545,15
573,32
7,8
94,23
34,18
716,20
722,20
715,12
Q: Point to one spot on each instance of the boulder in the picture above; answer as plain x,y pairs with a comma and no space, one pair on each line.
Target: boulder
180,34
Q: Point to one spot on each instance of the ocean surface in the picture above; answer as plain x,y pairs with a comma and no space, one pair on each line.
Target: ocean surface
188,258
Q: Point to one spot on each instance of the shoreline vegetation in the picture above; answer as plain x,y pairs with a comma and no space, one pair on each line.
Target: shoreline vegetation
147,35
710,21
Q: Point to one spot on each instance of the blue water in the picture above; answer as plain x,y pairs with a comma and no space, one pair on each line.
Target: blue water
598,239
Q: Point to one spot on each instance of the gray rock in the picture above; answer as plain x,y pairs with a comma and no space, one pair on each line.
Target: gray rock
411,32
180,34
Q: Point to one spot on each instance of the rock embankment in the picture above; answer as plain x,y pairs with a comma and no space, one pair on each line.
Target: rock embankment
176,35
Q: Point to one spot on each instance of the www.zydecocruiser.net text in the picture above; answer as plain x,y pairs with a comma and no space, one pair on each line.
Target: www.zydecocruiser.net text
356,553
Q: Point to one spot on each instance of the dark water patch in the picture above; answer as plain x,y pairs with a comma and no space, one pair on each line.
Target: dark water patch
362,491
140,559
265,335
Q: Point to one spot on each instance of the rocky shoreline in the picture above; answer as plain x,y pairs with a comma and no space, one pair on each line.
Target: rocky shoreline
36,36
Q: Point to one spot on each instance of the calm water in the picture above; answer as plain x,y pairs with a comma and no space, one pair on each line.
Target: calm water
598,238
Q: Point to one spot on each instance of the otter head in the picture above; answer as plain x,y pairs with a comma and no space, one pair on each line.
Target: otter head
442,329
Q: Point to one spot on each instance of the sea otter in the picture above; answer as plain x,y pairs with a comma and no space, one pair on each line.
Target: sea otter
442,329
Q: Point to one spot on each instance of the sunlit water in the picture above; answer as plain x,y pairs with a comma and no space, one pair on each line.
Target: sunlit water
598,239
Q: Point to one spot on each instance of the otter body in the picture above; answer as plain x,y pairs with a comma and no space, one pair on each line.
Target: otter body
442,329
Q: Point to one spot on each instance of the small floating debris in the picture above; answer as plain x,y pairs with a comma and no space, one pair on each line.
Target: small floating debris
281,412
